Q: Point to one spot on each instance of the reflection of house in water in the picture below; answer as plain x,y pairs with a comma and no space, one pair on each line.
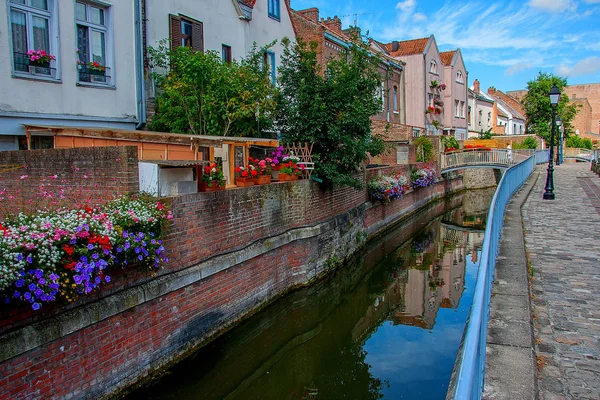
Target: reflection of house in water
434,278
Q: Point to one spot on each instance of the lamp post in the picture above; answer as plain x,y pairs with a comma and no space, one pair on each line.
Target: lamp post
559,151
554,97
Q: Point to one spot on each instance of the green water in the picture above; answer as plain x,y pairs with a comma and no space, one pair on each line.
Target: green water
387,325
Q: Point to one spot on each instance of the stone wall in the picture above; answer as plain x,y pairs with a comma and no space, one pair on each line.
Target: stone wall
232,253
479,178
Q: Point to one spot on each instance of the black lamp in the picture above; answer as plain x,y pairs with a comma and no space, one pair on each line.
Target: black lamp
559,149
554,98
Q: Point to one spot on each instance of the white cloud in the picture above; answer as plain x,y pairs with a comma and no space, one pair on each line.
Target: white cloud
419,17
516,68
553,5
587,66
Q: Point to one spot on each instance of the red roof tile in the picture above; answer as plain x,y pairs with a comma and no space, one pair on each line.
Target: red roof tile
408,47
447,57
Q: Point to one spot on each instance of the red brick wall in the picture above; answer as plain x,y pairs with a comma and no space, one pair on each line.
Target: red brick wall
68,176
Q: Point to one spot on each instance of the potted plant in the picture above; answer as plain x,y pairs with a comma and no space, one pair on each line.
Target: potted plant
214,178
263,169
277,158
289,171
39,58
242,177
434,84
435,123
429,110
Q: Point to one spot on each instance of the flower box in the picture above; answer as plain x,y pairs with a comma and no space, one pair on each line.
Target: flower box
262,179
287,177
244,181
214,185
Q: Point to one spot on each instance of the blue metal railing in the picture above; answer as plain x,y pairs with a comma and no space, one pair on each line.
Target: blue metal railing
471,368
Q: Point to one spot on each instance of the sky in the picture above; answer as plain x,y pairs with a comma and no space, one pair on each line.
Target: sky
504,43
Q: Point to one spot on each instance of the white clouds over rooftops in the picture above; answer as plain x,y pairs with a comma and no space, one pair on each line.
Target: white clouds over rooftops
587,66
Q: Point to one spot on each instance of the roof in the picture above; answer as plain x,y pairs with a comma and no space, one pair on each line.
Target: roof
447,57
408,47
515,113
479,96
177,163
502,114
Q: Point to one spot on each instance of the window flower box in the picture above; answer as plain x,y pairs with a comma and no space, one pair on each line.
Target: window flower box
287,177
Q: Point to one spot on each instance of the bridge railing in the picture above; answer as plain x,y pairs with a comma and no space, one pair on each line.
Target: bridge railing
471,367
582,154
479,157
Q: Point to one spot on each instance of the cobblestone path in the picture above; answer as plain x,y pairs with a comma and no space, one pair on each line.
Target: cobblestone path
563,243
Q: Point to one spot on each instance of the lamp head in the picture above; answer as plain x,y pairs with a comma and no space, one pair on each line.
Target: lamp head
554,95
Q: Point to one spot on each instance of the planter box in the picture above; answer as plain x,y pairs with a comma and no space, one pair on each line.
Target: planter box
287,177
244,181
262,179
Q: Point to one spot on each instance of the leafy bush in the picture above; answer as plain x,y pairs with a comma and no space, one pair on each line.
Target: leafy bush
528,143
424,149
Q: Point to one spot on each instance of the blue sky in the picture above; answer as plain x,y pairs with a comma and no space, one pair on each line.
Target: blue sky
504,43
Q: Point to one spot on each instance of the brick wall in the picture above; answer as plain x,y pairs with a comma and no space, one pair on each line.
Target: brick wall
81,176
279,236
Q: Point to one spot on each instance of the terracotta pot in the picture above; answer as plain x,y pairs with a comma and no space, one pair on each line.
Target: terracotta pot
214,185
244,181
262,179
277,167
287,177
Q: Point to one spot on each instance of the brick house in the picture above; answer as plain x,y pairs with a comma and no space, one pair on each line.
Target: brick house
455,96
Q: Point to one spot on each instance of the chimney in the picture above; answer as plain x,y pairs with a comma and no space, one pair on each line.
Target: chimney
353,32
311,14
335,24
476,87
395,45
492,90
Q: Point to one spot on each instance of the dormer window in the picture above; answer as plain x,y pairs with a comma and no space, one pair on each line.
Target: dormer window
433,67
459,77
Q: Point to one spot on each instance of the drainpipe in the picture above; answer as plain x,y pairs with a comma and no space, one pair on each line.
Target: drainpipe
139,65
387,75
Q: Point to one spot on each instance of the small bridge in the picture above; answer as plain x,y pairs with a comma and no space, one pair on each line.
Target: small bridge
578,154
482,158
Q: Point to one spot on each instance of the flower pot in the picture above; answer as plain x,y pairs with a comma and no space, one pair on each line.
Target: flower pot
244,181
287,177
277,167
262,179
40,64
214,185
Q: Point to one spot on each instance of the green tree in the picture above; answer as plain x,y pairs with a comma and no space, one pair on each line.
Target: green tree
332,110
579,142
199,93
528,143
538,109
424,149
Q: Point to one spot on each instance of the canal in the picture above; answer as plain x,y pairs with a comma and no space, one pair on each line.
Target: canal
387,325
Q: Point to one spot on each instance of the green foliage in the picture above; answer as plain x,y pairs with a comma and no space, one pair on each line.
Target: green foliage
330,110
450,142
424,149
528,143
199,93
538,109
579,142
485,135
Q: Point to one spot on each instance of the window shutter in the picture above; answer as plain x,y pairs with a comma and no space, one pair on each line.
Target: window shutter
198,36
175,31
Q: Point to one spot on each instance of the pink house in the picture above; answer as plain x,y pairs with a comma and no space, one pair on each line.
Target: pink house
455,94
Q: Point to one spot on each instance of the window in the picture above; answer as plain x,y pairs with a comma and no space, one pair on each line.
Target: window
456,108
395,101
514,128
459,77
430,99
382,94
92,43
433,67
416,133
226,53
269,66
462,109
31,23
274,9
186,32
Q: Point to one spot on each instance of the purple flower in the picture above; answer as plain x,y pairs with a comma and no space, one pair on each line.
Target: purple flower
27,295
77,279
17,294
95,256
42,281
19,257
32,287
140,257
39,292
119,249
36,306
90,247
137,250
54,277
20,283
29,259
39,273
107,278
127,246
73,241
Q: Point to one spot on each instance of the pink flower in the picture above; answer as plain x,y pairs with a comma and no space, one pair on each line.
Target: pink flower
24,177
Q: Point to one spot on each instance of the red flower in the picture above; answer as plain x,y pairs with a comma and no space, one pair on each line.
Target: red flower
237,169
3,230
207,170
254,173
70,266
96,64
244,174
160,206
68,249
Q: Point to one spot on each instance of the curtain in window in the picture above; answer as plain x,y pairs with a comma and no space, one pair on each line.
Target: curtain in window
41,34
97,47
42,4
19,38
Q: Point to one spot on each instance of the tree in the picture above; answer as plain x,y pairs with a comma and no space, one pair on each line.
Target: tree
201,94
538,109
424,149
528,143
332,110
579,142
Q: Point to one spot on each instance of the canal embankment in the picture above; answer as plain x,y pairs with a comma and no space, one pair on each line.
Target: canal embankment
232,253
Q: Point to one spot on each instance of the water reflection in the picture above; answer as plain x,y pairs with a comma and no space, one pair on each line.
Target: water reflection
386,326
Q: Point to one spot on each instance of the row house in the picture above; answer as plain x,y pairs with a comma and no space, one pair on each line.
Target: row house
455,96
334,42
480,111
508,114
68,63
83,63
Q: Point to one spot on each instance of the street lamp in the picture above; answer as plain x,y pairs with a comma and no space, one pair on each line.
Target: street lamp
559,152
554,97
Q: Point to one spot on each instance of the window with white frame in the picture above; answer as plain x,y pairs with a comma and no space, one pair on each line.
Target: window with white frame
456,108
269,65
433,67
33,44
430,99
459,77
395,93
93,43
416,132
462,109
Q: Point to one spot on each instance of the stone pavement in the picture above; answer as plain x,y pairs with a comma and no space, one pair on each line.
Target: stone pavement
562,240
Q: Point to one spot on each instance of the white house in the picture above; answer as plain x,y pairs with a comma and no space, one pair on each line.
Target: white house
93,77
480,110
